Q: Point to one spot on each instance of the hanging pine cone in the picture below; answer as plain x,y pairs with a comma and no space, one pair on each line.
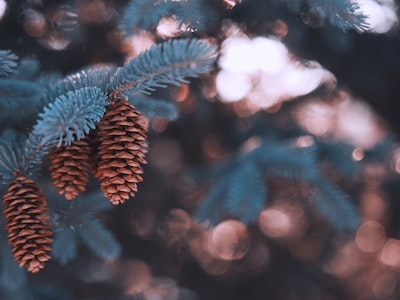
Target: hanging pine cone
70,167
121,150
27,223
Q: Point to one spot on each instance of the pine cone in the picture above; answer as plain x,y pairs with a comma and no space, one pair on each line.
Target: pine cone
70,168
122,148
27,223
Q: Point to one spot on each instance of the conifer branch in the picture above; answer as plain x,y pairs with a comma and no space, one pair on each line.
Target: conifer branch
152,108
20,101
98,77
334,205
339,156
27,69
8,63
246,192
145,15
166,63
285,161
69,118
72,116
239,192
37,146
11,275
69,220
65,246
211,207
11,155
98,238
16,93
340,13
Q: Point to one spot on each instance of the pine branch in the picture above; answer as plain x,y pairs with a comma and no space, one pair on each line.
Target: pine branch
72,116
11,155
15,94
98,238
339,156
247,193
334,205
19,102
67,218
27,69
47,80
285,161
211,208
8,63
239,192
383,151
145,15
65,246
66,214
23,100
11,275
196,14
91,77
69,118
152,108
37,146
166,63
340,13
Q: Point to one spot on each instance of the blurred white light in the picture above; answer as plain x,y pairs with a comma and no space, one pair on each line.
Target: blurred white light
231,3
357,124
229,240
274,223
168,27
271,55
300,80
233,86
370,236
381,15
315,116
3,7
137,43
261,71
292,81
236,55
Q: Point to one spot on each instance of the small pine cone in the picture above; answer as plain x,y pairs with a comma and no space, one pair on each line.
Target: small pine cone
27,223
70,168
121,149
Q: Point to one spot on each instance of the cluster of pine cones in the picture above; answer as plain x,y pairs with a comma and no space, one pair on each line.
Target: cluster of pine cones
114,153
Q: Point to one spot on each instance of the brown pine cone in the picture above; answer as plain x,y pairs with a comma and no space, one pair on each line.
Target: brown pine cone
27,223
121,149
70,168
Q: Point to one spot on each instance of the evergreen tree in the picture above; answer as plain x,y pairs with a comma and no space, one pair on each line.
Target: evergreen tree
199,149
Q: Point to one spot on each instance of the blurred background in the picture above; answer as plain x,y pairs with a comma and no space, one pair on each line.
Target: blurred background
281,74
